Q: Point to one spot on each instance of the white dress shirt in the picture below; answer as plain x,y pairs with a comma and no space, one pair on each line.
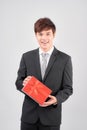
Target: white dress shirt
48,52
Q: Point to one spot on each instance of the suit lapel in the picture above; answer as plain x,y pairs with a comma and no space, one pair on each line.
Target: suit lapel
51,62
37,64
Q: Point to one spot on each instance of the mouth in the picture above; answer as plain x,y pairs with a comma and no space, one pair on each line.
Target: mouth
44,43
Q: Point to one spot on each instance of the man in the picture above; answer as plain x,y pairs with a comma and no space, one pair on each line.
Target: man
58,77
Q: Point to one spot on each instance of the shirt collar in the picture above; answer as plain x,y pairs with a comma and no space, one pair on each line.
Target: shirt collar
49,52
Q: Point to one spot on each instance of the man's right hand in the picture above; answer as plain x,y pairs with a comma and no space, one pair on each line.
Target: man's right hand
26,80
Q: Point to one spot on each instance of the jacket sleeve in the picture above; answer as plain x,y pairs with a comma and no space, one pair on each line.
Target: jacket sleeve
67,89
21,74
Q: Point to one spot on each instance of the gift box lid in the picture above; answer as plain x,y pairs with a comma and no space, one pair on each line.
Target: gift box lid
37,90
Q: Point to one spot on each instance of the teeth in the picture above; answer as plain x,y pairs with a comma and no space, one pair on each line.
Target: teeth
44,42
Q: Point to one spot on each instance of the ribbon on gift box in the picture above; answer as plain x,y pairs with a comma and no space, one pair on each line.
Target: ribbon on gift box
37,90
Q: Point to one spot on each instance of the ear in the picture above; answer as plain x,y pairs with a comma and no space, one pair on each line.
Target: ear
36,35
54,34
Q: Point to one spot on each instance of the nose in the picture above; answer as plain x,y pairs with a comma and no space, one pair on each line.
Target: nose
44,37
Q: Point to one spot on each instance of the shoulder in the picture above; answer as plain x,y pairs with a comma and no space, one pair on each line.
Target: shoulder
64,58
30,53
62,55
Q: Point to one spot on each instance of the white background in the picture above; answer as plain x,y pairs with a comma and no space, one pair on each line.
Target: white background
17,18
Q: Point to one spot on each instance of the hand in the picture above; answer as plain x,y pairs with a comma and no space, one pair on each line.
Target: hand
26,80
51,101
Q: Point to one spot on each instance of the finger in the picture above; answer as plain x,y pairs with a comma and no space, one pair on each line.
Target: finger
50,96
43,105
24,83
47,103
29,77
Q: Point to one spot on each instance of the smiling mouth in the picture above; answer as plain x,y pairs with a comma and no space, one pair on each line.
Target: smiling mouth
44,42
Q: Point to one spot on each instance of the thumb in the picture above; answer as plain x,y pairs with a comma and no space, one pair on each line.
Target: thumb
50,96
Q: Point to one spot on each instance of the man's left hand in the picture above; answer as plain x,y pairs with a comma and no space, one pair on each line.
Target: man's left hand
51,101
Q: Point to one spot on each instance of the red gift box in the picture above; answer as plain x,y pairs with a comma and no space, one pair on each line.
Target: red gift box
36,90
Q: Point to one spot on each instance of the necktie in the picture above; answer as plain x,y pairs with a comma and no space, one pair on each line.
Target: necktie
44,63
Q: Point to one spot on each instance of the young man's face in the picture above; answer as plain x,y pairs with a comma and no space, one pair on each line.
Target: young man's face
45,39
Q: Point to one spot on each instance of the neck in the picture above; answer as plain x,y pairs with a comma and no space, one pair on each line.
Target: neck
47,49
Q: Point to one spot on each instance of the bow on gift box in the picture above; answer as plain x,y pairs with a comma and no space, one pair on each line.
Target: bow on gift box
37,90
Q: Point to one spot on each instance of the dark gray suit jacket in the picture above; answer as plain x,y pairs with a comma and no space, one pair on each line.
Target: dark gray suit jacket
58,77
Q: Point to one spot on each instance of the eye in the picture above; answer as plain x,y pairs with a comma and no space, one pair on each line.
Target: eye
40,34
48,34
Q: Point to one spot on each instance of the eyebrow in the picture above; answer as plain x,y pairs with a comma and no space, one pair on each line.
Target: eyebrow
46,32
